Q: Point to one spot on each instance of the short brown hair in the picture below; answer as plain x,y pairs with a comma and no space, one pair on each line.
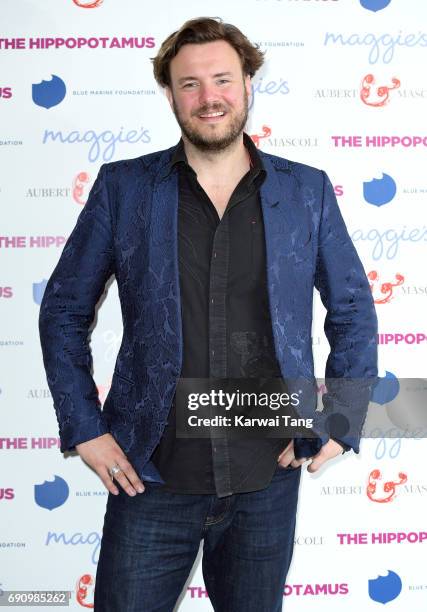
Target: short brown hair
203,30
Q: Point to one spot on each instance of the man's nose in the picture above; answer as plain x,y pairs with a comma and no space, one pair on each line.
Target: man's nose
207,94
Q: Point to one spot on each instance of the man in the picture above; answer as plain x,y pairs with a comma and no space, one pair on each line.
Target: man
216,248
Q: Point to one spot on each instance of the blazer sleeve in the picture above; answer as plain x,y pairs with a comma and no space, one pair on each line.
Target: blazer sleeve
351,328
67,312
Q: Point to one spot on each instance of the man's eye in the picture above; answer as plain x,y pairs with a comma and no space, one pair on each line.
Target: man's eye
223,81
189,85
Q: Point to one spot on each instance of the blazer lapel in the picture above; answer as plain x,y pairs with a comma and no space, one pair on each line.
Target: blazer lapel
163,265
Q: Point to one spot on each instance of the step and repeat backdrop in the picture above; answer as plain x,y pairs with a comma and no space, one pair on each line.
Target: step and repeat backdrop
344,89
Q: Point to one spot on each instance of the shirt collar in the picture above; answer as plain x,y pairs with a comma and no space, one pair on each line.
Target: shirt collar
179,155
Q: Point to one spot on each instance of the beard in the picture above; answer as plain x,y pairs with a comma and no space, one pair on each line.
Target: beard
214,142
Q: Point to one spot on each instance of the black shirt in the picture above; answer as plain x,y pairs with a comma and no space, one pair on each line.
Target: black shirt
226,328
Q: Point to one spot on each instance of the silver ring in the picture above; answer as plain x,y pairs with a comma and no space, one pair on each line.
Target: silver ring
116,469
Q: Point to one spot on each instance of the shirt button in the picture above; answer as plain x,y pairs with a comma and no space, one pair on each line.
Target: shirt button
214,254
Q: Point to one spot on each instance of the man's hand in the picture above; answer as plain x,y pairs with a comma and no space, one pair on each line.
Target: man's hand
328,451
101,454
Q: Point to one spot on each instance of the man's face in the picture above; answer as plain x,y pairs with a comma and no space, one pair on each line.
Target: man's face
209,94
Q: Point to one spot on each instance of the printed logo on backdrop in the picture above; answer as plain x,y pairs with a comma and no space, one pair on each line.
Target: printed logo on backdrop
49,93
269,88
415,290
386,389
335,93
376,489
85,588
48,192
36,394
315,540
385,588
407,141
263,137
381,47
377,96
380,94
382,493
11,143
256,138
415,190
385,537
6,494
401,338
92,539
94,493
298,590
380,191
316,589
5,93
33,242
38,291
375,5
114,92
22,443
103,42
288,44
4,342
101,144
88,4
80,182
386,242
6,292
383,291
52,493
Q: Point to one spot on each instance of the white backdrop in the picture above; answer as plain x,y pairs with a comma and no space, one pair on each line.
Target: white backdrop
76,89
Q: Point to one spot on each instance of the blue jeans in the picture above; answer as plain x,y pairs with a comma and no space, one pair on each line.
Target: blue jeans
150,543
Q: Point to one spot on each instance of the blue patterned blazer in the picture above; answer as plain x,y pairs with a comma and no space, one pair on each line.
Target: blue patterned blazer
128,228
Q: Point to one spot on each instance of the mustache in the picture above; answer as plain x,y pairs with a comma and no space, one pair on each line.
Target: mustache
210,109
